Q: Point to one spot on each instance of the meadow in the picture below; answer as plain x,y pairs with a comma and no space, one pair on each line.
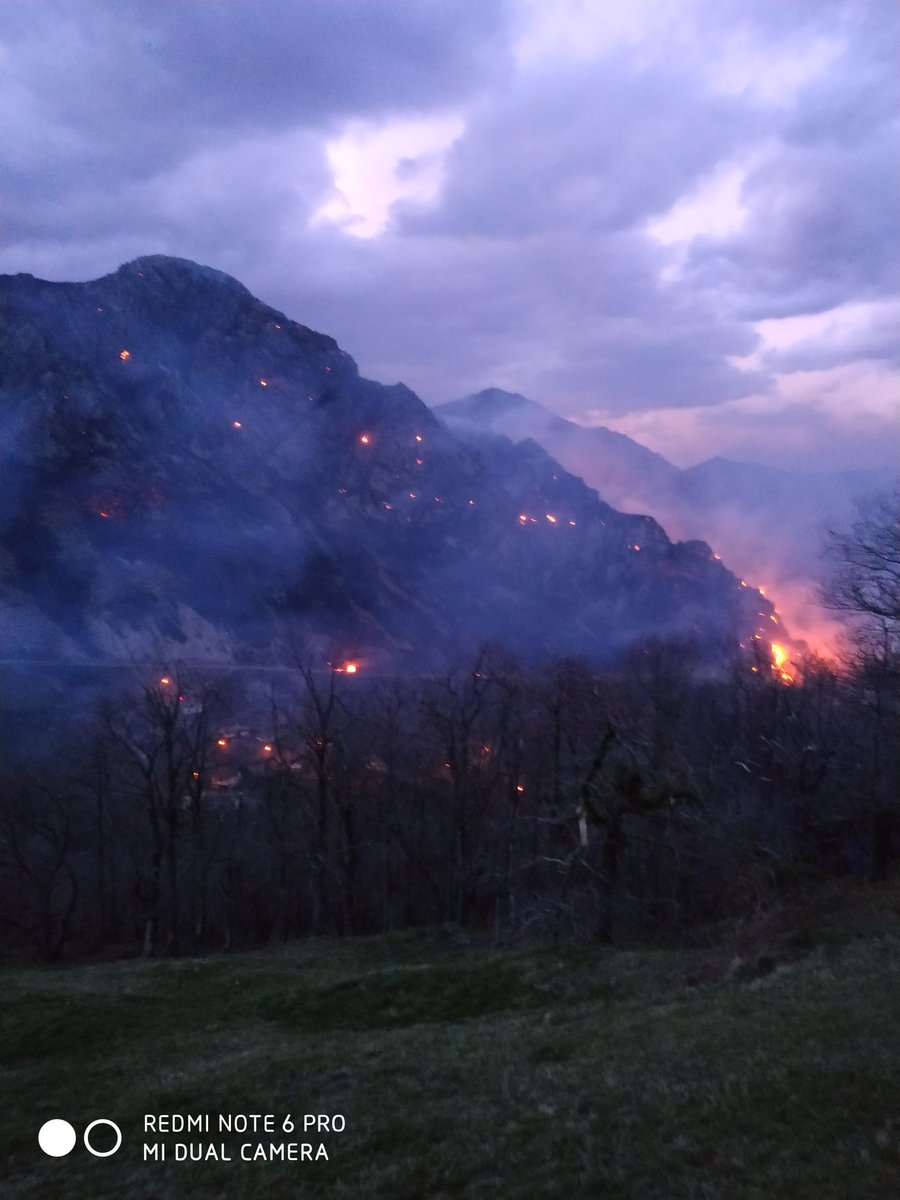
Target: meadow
468,1071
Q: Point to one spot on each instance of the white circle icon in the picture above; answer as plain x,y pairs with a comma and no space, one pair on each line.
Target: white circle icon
93,1125
56,1138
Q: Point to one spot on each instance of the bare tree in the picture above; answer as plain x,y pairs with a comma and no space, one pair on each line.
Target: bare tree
865,577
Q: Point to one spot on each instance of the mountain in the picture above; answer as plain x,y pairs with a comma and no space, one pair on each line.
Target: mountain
768,524
189,473
623,471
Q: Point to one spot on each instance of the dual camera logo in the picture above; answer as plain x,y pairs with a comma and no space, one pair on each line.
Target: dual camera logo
57,1138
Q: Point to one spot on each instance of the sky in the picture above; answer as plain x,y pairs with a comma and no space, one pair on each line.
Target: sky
677,218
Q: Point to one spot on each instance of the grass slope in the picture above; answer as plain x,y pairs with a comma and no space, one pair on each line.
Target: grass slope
472,1074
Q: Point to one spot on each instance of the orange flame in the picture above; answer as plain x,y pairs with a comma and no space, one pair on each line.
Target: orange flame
779,659
124,355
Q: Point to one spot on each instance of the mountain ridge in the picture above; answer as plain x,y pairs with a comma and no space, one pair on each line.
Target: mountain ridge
185,463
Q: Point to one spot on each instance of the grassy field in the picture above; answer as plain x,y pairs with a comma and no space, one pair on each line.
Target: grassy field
475,1074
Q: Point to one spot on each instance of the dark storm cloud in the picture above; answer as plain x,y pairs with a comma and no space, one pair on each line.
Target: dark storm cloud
822,218
821,231
201,68
601,146
117,92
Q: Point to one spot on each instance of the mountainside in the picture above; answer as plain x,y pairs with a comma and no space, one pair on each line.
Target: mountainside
188,472
623,471
767,523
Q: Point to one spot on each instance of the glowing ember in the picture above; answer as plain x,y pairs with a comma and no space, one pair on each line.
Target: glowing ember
743,583
523,519
104,514
221,742
236,424
267,747
418,437
277,326
571,522
471,501
419,462
165,681
264,383
124,355
351,668
635,547
196,774
519,788
364,439
551,518
717,557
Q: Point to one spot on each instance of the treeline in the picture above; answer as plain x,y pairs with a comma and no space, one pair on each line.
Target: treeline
553,804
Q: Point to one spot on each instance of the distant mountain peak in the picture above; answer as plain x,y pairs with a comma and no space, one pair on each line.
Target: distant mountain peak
170,271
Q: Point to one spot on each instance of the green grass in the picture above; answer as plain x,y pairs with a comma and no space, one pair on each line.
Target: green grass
473,1074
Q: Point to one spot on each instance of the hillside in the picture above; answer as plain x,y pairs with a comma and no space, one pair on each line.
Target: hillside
190,473
767,523
470,1073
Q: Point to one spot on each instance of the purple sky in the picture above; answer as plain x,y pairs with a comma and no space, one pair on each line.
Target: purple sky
675,217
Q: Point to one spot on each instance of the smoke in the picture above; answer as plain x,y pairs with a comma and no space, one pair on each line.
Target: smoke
767,525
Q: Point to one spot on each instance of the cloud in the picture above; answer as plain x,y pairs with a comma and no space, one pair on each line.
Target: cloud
606,207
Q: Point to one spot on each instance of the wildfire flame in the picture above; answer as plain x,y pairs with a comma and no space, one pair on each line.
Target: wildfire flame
779,659
264,383
364,439
221,742
236,424
165,681
418,437
550,517
124,355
